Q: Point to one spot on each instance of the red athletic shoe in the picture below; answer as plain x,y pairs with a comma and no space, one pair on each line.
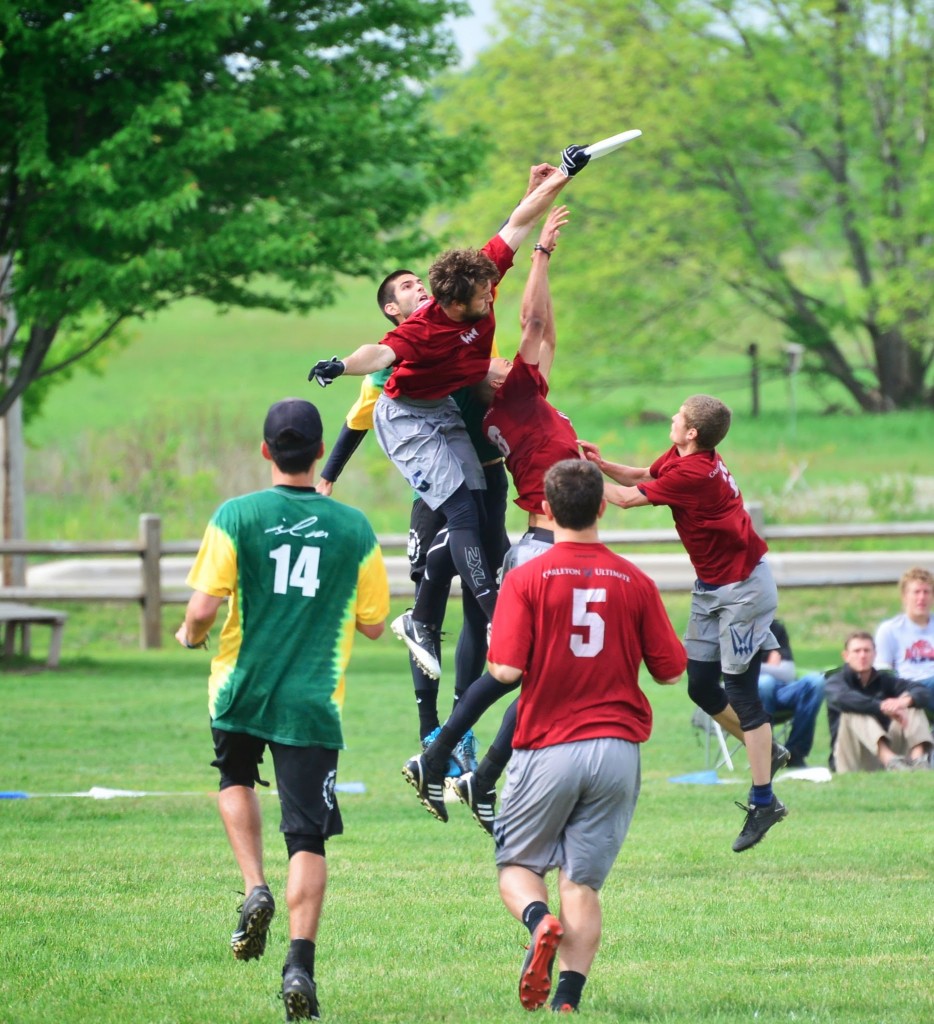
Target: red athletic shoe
535,980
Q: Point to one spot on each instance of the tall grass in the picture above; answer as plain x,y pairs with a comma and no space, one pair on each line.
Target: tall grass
117,910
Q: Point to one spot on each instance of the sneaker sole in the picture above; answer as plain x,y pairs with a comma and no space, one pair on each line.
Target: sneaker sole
299,1007
535,983
252,944
410,778
758,839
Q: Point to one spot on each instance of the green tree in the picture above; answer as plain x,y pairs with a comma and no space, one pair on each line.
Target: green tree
785,173
244,151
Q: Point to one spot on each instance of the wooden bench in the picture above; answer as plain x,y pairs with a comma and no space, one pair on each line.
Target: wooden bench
14,615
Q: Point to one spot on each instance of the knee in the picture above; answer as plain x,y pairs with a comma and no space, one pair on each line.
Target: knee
704,686
747,705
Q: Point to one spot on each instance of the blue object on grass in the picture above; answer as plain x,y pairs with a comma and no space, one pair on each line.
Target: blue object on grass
705,778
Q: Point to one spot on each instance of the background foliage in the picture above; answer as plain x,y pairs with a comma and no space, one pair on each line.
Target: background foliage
244,151
781,188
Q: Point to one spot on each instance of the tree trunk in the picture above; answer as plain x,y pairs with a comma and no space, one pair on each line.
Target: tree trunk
899,369
12,449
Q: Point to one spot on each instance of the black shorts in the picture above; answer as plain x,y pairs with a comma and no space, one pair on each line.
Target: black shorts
305,778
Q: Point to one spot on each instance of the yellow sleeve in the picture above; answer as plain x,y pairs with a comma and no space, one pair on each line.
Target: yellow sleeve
372,589
360,416
215,569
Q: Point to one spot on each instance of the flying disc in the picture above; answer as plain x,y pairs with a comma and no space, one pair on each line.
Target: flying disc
604,146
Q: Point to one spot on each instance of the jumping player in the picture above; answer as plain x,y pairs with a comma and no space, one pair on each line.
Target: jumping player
446,344
398,296
533,436
734,598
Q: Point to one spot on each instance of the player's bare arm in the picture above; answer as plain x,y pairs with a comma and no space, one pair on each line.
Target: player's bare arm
624,497
199,617
536,299
524,217
371,630
538,342
629,476
505,674
538,173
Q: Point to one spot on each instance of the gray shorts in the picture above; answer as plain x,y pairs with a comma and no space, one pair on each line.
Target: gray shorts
568,807
731,622
529,546
428,443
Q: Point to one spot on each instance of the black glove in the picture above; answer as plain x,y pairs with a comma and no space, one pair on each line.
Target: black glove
326,371
574,159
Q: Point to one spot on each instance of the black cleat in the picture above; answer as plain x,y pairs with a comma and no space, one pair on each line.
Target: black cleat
758,821
299,994
423,642
482,804
429,787
780,758
248,942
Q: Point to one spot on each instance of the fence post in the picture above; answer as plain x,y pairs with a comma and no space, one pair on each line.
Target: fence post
757,515
150,539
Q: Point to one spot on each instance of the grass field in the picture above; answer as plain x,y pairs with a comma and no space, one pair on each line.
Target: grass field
121,910
118,910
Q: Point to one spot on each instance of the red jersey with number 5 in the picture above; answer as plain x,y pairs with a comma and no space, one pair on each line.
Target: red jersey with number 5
578,620
709,514
529,431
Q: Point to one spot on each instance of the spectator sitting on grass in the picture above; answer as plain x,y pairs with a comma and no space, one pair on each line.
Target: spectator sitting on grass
875,718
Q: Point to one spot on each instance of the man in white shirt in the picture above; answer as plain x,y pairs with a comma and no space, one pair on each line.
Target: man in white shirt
905,643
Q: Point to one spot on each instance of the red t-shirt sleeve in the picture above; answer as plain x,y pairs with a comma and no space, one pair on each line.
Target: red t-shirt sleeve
663,653
523,381
405,339
500,253
673,483
511,635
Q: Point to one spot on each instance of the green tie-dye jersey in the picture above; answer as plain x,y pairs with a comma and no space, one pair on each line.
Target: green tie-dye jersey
300,570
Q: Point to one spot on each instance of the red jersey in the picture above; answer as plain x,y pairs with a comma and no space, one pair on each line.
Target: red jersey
436,355
709,514
529,431
578,620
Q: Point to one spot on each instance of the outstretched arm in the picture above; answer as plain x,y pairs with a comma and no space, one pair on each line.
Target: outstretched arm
527,213
366,359
537,314
625,497
629,476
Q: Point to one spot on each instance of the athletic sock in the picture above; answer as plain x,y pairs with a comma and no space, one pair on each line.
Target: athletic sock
427,701
488,771
761,796
533,913
439,751
302,951
569,989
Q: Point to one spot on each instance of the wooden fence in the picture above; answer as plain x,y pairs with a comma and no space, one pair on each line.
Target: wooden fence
150,592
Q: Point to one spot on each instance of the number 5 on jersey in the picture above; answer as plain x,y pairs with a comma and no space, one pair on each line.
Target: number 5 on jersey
582,617
303,575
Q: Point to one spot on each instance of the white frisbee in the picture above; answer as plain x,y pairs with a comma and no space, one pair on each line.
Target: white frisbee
604,146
